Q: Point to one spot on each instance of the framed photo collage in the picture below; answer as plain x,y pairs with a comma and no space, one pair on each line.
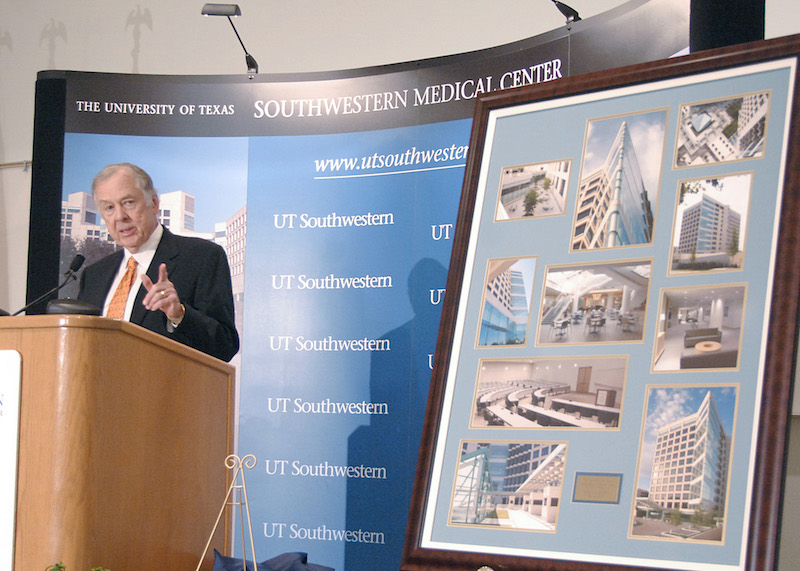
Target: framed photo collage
615,354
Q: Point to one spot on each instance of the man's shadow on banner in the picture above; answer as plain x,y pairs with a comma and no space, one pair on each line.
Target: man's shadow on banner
399,378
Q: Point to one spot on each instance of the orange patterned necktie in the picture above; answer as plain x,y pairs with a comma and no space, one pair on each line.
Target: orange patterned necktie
116,308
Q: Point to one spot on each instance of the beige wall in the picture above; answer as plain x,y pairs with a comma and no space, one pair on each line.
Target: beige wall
284,36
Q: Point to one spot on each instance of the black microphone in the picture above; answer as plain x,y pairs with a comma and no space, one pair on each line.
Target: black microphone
76,264
70,274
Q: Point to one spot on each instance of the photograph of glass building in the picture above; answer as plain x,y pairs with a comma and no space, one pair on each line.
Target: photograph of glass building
507,301
514,485
685,462
615,194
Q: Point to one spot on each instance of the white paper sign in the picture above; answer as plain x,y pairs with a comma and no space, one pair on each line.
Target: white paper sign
10,377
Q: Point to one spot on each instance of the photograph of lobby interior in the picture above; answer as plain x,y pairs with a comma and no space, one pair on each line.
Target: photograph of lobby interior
699,328
602,303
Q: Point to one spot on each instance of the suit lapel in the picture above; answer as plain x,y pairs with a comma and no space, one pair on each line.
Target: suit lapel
99,287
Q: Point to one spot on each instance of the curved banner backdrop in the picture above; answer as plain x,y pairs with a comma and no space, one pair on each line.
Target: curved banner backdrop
335,196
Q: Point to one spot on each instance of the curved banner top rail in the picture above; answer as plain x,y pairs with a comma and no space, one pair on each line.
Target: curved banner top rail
398,95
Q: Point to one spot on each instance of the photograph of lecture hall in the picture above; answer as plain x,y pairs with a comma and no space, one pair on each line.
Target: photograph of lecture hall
699,328
579,392
597,303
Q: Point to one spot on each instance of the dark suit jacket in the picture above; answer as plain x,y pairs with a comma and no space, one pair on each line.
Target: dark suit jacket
199,270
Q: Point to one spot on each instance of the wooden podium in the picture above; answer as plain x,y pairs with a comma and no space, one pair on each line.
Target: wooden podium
122,444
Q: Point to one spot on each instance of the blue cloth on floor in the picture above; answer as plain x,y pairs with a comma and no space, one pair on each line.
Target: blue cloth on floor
284,562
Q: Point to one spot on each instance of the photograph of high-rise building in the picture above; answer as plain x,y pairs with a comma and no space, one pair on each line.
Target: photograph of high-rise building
534,190
512,485
619,181
684,463
507,301
710,223
574,392
723,130
594,303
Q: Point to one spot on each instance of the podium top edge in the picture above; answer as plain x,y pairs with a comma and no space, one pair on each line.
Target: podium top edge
31,322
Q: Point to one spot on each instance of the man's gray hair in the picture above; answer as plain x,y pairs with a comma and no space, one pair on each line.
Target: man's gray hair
141,178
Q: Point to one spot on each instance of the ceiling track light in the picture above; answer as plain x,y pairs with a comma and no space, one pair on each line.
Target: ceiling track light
229,10
568,12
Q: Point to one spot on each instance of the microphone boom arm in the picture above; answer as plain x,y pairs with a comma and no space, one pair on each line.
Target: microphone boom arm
70,276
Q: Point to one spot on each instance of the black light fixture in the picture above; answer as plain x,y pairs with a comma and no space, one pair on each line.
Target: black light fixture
229,10
569,13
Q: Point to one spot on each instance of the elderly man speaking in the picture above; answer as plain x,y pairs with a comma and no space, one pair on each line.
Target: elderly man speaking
176,286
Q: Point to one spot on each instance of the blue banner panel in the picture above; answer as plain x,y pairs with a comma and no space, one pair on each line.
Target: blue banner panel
344,277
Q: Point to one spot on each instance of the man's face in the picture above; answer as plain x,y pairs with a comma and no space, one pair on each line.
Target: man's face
130,220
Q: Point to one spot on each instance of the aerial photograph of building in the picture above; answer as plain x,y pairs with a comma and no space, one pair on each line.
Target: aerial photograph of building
710,223
595,303
534,190
684,463
721,131
575,392
507,301
619,181
699,328
514,485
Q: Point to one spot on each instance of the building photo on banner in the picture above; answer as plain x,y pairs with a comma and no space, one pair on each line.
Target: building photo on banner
335,197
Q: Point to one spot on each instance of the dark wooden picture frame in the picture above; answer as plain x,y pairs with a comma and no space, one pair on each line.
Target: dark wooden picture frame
761,413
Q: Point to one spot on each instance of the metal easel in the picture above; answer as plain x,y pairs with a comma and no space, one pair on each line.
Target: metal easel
236,496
